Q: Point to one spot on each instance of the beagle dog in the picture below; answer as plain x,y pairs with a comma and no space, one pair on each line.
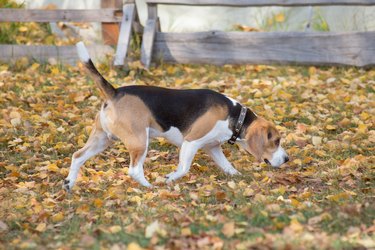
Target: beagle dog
190,119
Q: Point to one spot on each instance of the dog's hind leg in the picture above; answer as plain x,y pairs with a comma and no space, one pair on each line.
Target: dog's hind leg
221,161
137,144
97,143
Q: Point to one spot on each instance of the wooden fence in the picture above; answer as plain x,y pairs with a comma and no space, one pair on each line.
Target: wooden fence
126,16
213,47
320,48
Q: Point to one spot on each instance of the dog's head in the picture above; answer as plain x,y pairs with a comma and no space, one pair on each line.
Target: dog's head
262,140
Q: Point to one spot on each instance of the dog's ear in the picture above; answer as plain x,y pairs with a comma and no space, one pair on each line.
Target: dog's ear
257,142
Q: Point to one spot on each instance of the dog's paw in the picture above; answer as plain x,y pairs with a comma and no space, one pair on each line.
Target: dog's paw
234,172
66,185
173,176
170,174
146,184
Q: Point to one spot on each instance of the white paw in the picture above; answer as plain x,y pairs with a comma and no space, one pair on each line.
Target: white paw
141,180
174,176
68,185
234,172
170,174
146,184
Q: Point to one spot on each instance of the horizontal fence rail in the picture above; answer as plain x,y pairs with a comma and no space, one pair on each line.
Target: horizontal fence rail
126,16
65,54
31,15
357,49
216,47
249,3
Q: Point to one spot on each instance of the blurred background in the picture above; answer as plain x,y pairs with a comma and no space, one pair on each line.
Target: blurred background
188,19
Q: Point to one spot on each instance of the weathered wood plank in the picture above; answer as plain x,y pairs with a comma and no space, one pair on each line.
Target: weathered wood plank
152,11
148,42
315,48
249,3
64,54
125,34
32,15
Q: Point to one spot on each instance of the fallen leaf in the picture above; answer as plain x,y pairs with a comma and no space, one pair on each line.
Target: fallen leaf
115,229
41,227
134,246
58,217
152,229
228,229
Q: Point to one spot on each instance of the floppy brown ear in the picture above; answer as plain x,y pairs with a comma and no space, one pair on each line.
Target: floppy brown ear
257,142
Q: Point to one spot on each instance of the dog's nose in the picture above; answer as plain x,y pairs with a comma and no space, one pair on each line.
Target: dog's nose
286,159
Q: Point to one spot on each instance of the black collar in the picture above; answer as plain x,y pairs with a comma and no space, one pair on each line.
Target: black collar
238,127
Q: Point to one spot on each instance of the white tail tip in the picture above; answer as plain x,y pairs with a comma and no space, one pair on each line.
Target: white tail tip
82,52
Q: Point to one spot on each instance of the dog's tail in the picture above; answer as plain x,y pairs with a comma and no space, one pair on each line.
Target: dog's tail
105,87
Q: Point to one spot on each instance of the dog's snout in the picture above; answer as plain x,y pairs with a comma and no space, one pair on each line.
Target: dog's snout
286,159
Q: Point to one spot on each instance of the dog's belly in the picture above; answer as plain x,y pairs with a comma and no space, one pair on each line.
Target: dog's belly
173,135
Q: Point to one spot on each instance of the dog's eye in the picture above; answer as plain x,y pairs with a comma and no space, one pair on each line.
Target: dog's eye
269,135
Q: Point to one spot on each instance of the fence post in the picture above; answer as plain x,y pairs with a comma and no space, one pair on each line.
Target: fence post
128,16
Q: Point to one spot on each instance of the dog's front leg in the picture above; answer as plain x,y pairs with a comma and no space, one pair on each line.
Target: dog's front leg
187,153
221,161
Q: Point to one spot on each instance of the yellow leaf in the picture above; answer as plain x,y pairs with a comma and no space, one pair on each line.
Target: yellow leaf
307,160
58,217
364,116
330,127
185,231
41,227
14,114
55,71
98,203
83,209
295,203
312,70
23,29
296,226
297,162
305,195
285,95
134,246
34,66
281,190
228,229
232,185
338,197
115,229
320,153
53,167
248,192
362,128
136,199
179,81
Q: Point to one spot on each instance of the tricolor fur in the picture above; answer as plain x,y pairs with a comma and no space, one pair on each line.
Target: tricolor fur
190,119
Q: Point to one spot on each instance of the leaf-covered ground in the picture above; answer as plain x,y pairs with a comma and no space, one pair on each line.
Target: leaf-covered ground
322,199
